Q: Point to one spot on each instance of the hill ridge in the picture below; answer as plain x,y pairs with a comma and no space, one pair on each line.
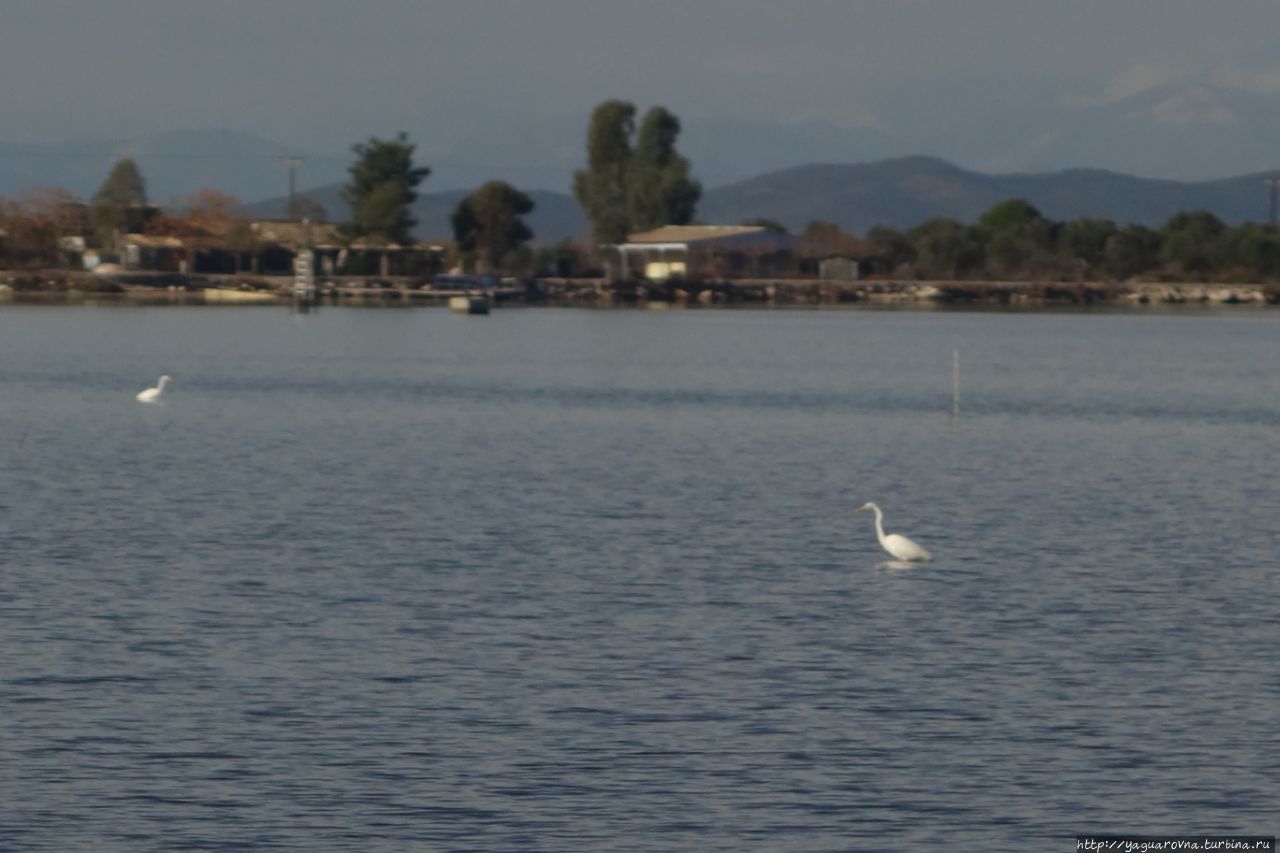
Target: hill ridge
901,192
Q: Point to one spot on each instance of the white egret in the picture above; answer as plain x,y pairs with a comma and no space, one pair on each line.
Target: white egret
895,543
152,395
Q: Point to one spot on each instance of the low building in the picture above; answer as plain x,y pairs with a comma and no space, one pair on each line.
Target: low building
269,247
706,251
363,257
838,269
187,255
154,252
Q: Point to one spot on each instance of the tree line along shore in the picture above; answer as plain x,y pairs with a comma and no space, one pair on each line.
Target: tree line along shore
634,180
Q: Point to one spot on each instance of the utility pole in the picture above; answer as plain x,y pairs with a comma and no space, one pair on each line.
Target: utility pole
292,163
1272,182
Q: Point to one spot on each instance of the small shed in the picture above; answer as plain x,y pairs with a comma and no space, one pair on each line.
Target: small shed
838,269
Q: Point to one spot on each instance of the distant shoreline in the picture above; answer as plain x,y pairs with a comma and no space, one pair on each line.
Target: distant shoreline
74,287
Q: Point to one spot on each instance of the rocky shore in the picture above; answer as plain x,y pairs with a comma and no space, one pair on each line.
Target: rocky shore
75,286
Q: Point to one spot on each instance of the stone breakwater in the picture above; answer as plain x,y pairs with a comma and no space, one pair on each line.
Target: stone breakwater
57,285
993,293
996,293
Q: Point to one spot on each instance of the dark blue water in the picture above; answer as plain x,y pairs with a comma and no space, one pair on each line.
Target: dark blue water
573,580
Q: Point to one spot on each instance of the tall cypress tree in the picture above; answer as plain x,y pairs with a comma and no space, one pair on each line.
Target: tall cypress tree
659,188
601,188
109,209
626,188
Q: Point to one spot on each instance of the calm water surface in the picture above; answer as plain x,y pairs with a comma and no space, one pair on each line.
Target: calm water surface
550,580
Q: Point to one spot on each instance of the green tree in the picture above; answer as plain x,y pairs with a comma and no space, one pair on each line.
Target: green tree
381,190
1254,250
659,188
1132,251
1085,241
1018,238
626,188
946,249
1010,215
487,223
1193,242
113,208
601,188
892,250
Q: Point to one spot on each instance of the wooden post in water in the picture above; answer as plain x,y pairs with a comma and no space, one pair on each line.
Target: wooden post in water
955,383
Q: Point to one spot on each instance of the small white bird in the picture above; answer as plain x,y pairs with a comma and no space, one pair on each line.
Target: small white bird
152,395
895,543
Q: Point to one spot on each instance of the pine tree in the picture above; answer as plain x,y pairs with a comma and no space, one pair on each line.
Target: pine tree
123,192
381,190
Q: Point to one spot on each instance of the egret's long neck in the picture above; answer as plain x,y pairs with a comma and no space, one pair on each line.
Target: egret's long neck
879,524
163,379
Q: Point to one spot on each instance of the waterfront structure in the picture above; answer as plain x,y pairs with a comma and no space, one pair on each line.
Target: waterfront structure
154,252
720,251
271,249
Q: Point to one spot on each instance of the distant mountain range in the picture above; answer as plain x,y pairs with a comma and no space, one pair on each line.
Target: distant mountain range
901,191
906,191
172,164
555,216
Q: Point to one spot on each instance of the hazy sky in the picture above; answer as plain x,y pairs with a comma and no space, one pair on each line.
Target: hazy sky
322,74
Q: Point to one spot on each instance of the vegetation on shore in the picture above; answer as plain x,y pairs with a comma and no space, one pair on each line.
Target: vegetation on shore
383,180
635,179
1013,240
634,187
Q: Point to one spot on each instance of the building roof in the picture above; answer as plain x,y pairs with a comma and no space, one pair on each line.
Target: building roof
154,241
324,235
293,233
692,233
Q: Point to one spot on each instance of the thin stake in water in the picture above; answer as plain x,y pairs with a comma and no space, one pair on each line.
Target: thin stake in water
955,383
